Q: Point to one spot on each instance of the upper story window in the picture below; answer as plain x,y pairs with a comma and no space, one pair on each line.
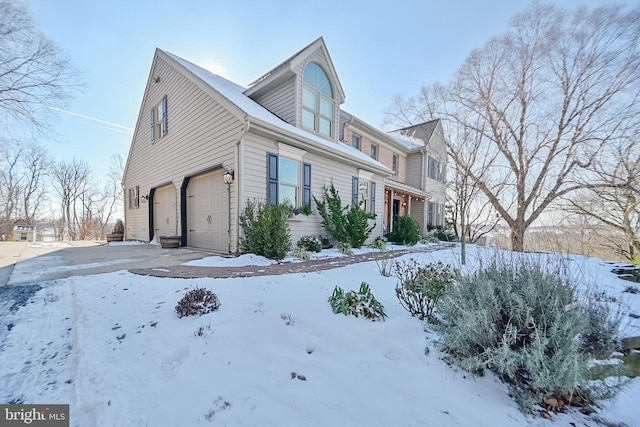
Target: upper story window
317,100
396,161
435,169
374,151
355,141
159,120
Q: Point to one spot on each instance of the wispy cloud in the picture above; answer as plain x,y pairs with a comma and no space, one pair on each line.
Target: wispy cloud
95,119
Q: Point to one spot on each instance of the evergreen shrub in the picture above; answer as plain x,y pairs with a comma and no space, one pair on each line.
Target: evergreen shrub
310,243
266,230
406,231
348,224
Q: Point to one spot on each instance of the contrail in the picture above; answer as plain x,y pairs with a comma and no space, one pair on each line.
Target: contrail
90,118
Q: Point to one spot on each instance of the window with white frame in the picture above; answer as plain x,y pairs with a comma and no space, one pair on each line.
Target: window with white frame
394,166
355,141
435,214
159,120
134,197
317,100
435,169
374,151
288,181
364,191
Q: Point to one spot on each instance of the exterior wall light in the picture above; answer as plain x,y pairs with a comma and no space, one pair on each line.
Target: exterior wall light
228,176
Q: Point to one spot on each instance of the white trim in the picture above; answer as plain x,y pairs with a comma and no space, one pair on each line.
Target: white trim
290,152
365,175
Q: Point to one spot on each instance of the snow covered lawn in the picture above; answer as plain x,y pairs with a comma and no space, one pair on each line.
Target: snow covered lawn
274,354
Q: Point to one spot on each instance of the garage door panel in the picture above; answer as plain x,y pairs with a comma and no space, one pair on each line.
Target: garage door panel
164,211
208,212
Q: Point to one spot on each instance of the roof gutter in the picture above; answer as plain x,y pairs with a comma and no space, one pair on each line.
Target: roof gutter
326,150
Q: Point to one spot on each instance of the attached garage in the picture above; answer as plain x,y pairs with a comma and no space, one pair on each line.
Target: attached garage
164,212
207,203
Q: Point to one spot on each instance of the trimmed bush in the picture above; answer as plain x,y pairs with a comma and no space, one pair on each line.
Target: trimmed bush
420,288
344,248
361,303
406,231
310,243
197,301
379,243
266,230
345,224
443,234
524,322
301,253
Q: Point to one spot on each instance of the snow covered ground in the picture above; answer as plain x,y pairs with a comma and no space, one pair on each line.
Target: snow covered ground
112,347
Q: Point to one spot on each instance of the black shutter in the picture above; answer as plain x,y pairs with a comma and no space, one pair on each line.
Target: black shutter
373,197
354,191
165,116
272,179
306,184
153,125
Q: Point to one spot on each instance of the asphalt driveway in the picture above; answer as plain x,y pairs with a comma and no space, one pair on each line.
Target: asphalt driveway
22,263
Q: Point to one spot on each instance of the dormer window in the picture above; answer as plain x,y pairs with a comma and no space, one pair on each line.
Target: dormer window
317,100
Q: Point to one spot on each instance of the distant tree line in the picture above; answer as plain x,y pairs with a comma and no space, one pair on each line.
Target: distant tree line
543,118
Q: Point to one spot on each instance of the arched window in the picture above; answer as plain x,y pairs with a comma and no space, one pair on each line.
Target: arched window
317,100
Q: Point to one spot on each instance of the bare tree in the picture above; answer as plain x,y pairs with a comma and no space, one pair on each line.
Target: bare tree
71,182
10,185
110,199
36,164
33,72
617,203
547,96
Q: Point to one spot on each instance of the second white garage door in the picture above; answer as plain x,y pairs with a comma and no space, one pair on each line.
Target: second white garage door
164,212
208,212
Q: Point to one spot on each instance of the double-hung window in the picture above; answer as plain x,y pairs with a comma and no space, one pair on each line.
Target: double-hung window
355,141
396,161
159,120
374,151
363,192
436,170
288,181
317,100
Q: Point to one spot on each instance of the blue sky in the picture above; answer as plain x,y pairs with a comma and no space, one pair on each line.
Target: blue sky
379,49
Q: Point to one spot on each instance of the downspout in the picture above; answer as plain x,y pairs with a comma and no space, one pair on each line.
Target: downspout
239,188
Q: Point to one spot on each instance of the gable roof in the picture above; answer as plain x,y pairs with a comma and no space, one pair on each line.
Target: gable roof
285,70
254,112
417,134
408,143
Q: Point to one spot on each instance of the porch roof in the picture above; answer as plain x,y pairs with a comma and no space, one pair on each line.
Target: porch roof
412,191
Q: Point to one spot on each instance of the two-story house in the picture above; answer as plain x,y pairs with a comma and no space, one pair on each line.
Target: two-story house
203,146
417,158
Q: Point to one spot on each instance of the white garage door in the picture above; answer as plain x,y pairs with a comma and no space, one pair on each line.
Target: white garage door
208,212
164,212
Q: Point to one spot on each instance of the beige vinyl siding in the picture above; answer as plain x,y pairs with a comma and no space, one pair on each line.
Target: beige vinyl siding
323,172
414,170
201,134
281,101
419,213
319,57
